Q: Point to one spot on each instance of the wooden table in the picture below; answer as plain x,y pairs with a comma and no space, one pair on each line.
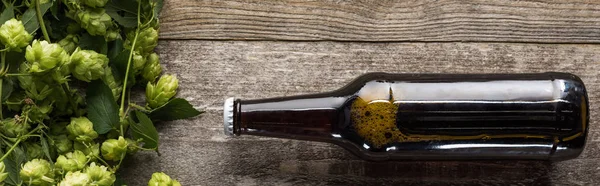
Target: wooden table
257,49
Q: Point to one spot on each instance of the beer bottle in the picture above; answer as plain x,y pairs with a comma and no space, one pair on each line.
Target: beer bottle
381,116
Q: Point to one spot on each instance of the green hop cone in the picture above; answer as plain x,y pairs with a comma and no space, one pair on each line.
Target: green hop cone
152,69
34,151
3,173
138,61
38,113
37,172
91,150
94,3
162,179
132,146
94,20
62,144
75,179
146,40
81,129
99,175
159,94
112,34
43,56
88,65
111,82
113,149
69,43
12,127
34,87
72,161
13,35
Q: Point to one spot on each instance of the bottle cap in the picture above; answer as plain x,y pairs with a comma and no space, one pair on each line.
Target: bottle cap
228,116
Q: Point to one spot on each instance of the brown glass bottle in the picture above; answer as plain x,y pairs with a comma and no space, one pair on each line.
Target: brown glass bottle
382,116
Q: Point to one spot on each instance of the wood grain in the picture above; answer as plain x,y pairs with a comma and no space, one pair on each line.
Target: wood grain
540,21
197,153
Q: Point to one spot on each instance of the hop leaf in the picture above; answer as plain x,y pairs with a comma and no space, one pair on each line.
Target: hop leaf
75,179
94,20
99,175
72,161
159,94
14,36
81,129
88,65
152,69
162,179
113,149
43,56
3,173
37,172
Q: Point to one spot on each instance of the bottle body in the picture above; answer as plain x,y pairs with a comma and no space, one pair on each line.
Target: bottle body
383,116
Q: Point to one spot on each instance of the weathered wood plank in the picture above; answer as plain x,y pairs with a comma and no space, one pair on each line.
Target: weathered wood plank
567,21
197,153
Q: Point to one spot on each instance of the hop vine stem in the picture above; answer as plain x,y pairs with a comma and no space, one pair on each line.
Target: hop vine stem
40,18
2,69
137,32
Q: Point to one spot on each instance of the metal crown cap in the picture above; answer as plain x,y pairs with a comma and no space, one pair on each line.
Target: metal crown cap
228,116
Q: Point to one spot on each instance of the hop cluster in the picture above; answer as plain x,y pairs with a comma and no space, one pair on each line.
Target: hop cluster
160,93
13,35
95,21
162,179
113,149
14,128
37,172
81,129
43,56
152,69
88,65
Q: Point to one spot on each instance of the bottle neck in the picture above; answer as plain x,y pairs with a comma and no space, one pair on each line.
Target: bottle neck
295,118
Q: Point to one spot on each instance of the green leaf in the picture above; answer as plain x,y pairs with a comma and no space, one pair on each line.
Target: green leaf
58,27
116,47
119,181
14,60
175,109
123,11
46,148
54,10
7,14
102,108
119,65
13,166
142,128
7,88
29,18
95,43
157,8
